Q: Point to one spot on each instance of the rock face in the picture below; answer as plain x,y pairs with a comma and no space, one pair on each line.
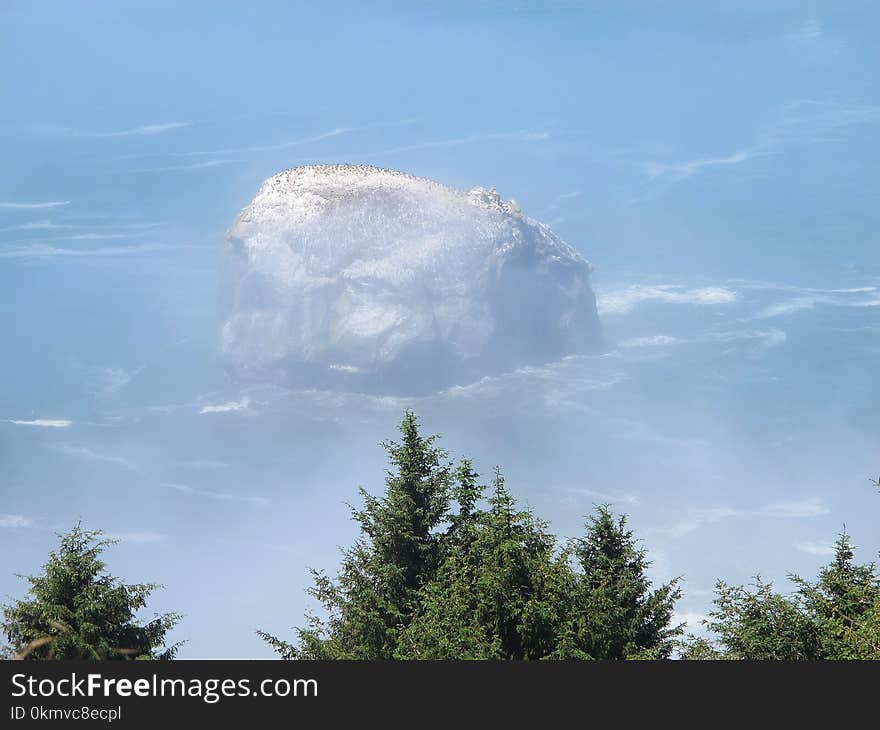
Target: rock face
355,277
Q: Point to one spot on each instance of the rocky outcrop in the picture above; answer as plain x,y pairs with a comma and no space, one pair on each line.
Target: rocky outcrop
356,277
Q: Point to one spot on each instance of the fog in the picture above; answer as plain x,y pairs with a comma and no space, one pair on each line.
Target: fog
718,170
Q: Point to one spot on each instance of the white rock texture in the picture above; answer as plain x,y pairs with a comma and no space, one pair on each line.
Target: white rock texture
359,278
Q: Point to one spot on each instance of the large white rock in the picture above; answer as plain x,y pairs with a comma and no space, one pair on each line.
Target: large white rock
350,276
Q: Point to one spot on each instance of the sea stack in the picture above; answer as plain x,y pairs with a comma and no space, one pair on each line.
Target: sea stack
359,278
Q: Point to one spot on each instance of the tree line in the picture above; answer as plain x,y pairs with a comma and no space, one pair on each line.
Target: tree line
445,567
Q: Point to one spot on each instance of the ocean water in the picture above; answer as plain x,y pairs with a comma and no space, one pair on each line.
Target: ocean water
723,419
718,167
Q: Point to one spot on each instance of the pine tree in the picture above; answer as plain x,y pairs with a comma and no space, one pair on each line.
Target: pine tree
844,606
755,623
75,610
613,612
445,625
466,492
494,596
479,579
377,589
835,617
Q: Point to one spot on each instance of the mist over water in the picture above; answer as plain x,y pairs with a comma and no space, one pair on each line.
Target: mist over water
695,422
728,209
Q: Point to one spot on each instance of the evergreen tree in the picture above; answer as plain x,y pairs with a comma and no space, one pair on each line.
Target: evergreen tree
495,595
481,580
755,623
835,617
377,589
75,610
466,492
844,606
614,614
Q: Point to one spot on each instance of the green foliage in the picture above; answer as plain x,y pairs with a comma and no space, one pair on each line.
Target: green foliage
614,614
397,553
755,624
835,617
844,606
446,569
74,610
496,593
